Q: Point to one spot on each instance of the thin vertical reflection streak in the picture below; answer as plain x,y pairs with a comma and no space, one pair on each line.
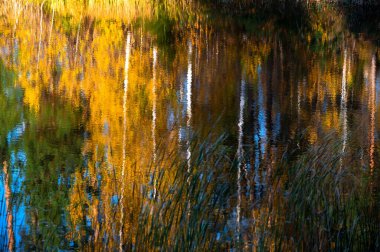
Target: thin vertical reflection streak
77,40
40,35
126,68
260,133
154,116
343,105
9,213
261,115
185,98
15,56
189,105
240,154
372,108
51,24
298,102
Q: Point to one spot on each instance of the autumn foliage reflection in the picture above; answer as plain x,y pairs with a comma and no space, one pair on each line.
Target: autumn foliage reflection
126,107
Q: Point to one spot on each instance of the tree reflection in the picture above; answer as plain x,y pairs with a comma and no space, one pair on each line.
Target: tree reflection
106,109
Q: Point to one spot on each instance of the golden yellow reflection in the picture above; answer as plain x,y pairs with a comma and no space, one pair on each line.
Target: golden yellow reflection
138,98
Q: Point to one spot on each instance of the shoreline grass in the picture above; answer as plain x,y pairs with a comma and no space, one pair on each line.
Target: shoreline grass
317,200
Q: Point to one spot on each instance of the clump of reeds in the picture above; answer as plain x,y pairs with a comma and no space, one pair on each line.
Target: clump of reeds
188,210
326,202
318,200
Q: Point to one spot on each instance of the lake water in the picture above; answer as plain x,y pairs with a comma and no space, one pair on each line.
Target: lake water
103,123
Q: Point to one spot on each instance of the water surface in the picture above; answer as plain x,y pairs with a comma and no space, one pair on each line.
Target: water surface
92,110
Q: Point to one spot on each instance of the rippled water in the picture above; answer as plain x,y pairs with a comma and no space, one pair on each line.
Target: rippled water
92,111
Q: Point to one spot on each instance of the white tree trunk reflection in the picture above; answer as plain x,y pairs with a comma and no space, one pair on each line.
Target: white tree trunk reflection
240,154
189,105
372,108
154,118
343,106
126,68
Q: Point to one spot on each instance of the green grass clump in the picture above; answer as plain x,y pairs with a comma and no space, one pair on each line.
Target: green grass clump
188,211
328,202
321,199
